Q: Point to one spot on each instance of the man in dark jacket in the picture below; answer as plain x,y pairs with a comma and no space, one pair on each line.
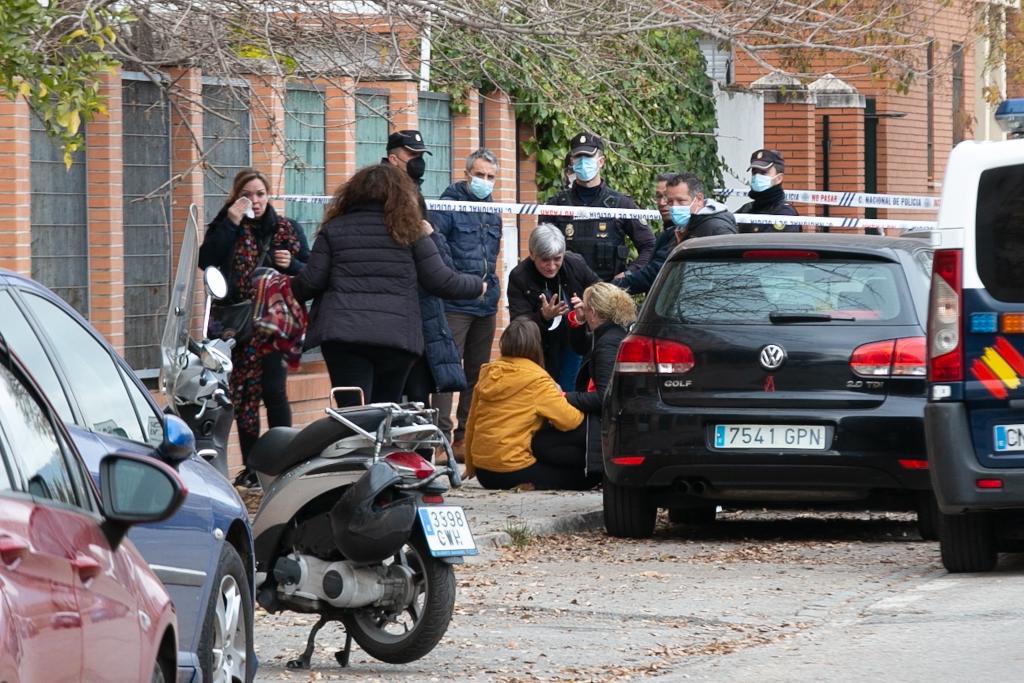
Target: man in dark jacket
639,281
600,241
767,168
693,215
473,240
545,286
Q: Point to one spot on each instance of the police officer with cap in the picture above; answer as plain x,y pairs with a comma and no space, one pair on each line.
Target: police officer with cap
766,168
600,241
405,150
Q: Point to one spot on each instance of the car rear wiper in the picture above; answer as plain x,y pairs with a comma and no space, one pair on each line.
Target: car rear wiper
806,317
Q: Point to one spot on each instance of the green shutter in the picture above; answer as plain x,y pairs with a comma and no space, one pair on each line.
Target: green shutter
371,128
58,213
225,140
304,172
435,123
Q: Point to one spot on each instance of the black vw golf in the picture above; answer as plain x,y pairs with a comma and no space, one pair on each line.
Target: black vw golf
773,370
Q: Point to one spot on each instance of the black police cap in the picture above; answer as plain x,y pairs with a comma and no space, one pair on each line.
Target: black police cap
763,159
410,139
585,143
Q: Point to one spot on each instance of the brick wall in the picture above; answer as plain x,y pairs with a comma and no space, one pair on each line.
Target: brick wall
15,204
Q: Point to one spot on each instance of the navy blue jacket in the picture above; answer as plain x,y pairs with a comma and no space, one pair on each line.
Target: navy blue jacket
639,281
439,348
473,240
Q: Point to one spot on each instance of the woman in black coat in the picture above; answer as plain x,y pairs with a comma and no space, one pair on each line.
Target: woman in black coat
608,312
372,250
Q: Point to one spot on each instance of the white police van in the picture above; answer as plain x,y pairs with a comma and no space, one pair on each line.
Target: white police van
974,420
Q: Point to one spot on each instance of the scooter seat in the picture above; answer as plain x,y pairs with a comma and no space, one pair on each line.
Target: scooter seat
281,448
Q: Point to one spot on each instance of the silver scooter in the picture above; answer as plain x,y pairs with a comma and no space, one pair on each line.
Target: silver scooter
353,527
194,374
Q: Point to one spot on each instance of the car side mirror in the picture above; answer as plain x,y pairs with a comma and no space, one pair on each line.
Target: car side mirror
136,490
216,285
179,442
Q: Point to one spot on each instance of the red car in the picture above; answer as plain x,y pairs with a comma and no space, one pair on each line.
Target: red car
77,601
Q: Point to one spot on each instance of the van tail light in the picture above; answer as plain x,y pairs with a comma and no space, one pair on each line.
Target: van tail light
639,354
945,357
890,358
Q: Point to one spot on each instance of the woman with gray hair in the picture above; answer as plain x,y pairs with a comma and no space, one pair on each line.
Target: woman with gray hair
545,286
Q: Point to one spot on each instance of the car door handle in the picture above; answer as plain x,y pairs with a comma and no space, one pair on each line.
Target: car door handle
12,549
87,567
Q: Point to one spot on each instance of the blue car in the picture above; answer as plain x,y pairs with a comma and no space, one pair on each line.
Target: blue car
203,553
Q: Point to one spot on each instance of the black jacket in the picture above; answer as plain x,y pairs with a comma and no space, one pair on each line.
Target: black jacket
598,365
640,281
713,219
364,283
525,285
602,241
218,246
771,202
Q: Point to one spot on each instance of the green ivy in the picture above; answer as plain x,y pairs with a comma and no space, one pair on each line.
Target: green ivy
649,98
53,59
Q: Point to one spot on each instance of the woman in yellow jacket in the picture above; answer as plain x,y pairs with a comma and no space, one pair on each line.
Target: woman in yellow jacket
512,398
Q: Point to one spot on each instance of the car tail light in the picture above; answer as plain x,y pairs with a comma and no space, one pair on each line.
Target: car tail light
945,360
913,464
407,462
873,360
989,483
636,354
645,355
672,358
902,357
909,357
627,460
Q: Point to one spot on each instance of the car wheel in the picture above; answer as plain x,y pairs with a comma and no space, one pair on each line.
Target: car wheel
968,542
225,651
695,516
928,516
627,513
400,637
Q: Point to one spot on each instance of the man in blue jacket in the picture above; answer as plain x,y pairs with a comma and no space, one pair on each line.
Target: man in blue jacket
473,240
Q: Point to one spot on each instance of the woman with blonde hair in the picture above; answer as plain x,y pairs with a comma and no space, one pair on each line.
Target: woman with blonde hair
372,250
607,312
513,397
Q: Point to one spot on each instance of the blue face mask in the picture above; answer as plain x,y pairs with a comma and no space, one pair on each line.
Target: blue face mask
585,168
680,215
759,182
481,188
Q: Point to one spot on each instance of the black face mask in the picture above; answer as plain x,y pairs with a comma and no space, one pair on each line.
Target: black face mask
416,167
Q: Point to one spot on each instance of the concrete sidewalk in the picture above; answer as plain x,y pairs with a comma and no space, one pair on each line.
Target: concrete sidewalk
493,514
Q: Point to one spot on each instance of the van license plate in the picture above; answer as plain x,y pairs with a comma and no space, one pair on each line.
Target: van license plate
447,531
786,437
1009,438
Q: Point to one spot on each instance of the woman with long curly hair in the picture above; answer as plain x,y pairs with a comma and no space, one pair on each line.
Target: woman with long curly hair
372,249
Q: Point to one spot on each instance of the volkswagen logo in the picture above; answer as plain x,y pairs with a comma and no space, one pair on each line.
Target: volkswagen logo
772,357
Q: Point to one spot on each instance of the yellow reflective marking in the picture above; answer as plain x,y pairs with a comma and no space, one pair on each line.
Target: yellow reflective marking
1000,367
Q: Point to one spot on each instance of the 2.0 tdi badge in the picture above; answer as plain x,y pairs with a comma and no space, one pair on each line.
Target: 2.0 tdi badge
772,357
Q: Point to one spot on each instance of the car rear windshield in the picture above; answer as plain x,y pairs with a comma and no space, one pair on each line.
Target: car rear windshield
999,224
827,292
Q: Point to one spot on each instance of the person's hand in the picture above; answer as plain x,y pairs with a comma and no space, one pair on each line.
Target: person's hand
428,229
577,305
552,306
236,212
282,258
619,276
468,473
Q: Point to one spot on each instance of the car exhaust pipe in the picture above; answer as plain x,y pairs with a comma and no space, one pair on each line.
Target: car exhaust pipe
683,486
698,488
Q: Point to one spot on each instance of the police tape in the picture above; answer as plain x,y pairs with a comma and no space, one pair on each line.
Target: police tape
851,199
595,212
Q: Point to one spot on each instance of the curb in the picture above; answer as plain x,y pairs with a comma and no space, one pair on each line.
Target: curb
488,542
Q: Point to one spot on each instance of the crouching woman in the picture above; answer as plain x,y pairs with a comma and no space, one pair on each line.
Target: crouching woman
512,399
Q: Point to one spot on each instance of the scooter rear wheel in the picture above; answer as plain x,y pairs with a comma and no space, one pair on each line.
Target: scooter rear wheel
405,636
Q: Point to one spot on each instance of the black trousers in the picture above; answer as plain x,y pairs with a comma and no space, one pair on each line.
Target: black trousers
561,459
275,399
378,370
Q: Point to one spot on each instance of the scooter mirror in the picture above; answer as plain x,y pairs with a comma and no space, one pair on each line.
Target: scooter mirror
215,283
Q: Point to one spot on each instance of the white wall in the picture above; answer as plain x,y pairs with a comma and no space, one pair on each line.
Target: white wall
739,133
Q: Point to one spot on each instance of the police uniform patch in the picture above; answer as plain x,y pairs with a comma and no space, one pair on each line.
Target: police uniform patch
779,226
569,231
602,227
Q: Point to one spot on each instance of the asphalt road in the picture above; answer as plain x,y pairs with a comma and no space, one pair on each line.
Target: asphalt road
756,596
